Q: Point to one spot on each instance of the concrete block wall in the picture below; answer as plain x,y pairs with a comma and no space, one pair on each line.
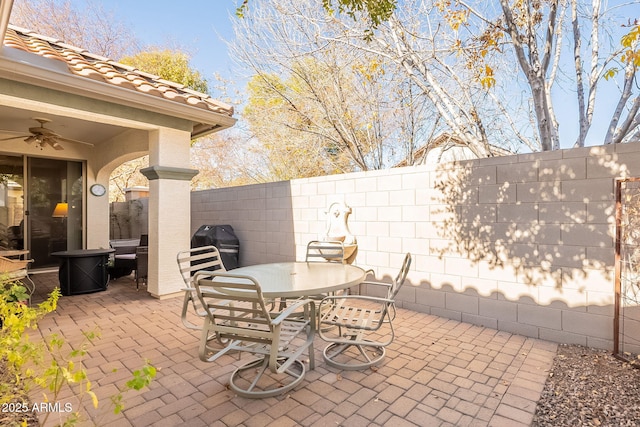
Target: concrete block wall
523,243
261,216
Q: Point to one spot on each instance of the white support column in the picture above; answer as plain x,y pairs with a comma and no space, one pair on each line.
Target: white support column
169,208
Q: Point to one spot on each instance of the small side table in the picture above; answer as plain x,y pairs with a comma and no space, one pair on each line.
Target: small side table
83,271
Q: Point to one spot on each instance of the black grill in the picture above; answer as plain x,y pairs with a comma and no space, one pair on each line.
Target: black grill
222,237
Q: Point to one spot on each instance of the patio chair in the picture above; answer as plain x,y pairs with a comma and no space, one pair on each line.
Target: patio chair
359,328
323,251
124,257
16,270
142,265
237,318
189,262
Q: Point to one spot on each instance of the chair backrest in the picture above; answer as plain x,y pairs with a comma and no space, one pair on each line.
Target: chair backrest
196,259
124,246
322,251
401,277
235,307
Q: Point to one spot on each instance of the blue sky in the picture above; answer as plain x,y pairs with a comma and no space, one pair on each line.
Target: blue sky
198,25
201,25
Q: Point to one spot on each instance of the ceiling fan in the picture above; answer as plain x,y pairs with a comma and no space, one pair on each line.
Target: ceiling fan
44,136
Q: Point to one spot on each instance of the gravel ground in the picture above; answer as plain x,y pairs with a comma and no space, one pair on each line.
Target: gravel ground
589,387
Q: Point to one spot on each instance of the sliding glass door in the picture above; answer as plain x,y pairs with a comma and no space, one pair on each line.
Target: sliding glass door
11,203
54,208
46,215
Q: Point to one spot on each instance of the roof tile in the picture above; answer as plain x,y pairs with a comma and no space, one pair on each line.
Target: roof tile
95,67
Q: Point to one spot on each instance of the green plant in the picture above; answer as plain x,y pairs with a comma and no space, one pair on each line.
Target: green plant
18,355
17,319
67,370
48,364
141,378
14,292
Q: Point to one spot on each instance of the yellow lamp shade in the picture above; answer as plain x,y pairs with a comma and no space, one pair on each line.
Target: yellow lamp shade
61,210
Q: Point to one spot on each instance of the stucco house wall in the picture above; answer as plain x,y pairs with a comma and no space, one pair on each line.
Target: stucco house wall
522,243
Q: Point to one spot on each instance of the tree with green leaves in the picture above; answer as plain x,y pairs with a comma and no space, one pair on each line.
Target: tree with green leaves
169,64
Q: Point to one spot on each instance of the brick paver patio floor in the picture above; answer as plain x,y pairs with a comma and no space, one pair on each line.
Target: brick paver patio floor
438,372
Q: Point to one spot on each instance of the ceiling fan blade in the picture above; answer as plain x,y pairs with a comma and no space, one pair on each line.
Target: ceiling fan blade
15,137
44,136
74,141
56,145
52,142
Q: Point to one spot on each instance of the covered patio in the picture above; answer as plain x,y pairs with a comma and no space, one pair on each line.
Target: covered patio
68,118
437,372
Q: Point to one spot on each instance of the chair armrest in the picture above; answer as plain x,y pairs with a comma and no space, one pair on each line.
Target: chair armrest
353,317
371,282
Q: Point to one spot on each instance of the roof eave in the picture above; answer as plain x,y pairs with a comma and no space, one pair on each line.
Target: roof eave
53,79
5,14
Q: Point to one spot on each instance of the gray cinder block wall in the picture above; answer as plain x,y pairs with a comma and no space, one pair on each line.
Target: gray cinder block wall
523,243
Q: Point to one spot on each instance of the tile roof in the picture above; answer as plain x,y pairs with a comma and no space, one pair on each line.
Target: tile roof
443,140
91,66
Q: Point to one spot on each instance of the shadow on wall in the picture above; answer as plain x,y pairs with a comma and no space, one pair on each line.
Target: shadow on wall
545,220
523,315
522,243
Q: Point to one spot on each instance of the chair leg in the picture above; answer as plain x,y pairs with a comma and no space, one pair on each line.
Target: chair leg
359,357
211,346
255,380
188,299
31,286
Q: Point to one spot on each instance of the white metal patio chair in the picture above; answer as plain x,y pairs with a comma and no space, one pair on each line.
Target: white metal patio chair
325,251
357,327
189,262
237,318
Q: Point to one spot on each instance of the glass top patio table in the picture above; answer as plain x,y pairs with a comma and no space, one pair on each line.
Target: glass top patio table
300,279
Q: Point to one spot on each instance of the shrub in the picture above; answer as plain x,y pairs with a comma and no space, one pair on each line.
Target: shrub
46,364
